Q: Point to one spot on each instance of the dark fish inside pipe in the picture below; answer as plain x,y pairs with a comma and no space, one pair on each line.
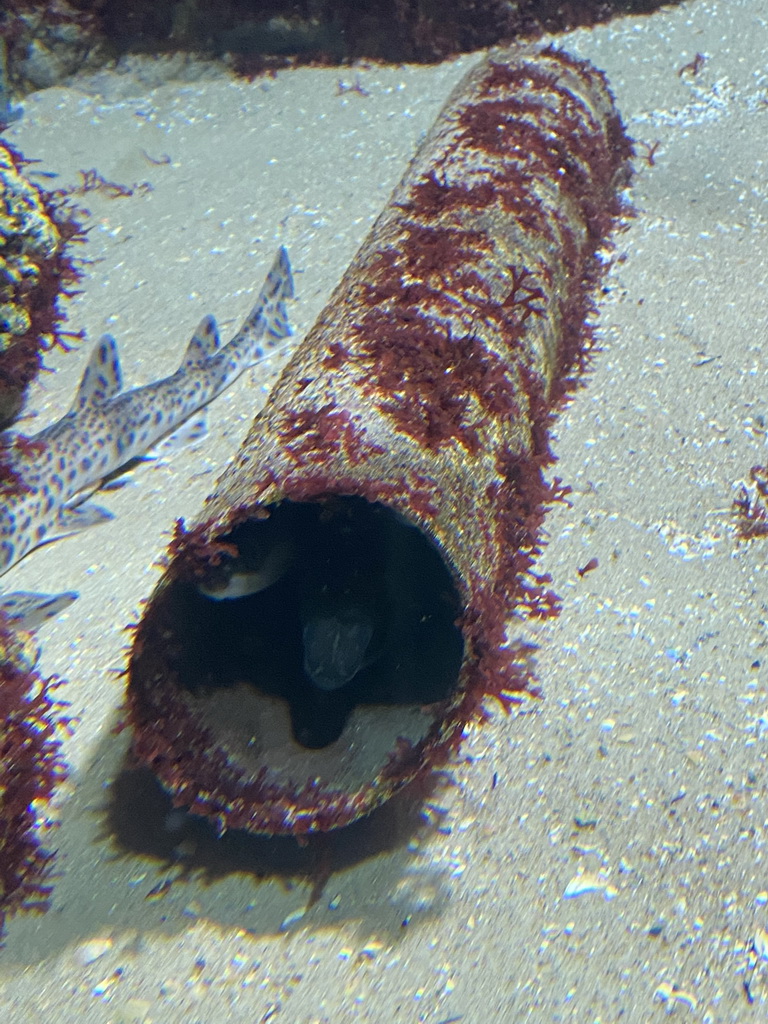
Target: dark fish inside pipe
336,636
363,613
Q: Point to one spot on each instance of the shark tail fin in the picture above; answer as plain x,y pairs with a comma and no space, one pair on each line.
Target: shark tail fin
267,323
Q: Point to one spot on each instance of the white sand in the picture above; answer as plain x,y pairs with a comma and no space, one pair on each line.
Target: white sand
653,719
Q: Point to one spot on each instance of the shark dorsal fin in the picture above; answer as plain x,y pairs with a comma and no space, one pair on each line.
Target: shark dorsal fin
102,378
203,343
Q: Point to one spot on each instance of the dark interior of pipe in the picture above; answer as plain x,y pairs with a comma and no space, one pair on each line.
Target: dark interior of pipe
328,605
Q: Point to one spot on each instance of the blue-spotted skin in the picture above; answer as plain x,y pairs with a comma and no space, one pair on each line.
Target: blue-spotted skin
56,469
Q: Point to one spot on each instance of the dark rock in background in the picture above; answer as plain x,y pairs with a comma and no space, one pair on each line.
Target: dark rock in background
49,40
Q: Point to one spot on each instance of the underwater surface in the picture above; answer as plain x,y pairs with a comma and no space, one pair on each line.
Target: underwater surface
597,850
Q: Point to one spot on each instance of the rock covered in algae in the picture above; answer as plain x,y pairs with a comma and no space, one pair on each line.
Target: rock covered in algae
35,270
30,766
49,40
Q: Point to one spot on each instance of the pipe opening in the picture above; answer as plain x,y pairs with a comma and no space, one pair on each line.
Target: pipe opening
324,607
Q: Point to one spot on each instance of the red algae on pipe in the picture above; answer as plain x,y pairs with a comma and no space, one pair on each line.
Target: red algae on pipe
338,616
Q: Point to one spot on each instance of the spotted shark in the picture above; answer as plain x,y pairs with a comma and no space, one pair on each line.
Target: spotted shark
56,471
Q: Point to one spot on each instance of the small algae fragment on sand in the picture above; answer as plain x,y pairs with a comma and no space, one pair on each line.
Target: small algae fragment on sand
750,507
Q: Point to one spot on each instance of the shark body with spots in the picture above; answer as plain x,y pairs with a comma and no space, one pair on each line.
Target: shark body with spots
56,470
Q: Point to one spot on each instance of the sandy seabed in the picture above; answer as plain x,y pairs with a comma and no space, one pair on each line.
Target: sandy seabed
616,869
